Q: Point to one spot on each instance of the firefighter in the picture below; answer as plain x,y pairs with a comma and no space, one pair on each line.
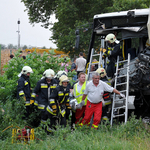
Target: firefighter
78,91
43,89
59,74
59,99
57,77
112,51
106,95
24,88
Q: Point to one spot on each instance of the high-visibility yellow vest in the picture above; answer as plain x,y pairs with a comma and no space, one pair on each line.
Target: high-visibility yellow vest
77,95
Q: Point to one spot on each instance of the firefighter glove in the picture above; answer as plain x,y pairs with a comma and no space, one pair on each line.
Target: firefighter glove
122,95
103,57
53,105
31,102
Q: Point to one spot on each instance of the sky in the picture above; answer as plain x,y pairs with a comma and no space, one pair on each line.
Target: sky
10,12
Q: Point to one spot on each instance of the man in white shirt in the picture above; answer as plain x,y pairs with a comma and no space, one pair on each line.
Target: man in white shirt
80,63
94,92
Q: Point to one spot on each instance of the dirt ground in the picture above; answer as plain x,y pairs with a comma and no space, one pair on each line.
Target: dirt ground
5,56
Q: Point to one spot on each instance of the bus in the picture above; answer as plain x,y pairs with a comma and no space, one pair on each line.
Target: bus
132,29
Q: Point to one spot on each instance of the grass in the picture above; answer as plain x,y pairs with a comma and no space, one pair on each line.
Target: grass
119,137
134,135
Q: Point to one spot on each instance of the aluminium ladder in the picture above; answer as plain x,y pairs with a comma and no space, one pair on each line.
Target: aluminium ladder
100,61
121,103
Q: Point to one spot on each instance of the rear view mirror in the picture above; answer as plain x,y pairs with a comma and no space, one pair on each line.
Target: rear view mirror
77,39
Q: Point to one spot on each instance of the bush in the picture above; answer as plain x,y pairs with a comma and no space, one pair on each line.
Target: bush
8,86
133,135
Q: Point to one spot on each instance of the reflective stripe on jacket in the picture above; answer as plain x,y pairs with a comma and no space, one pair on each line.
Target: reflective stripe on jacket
60,94
23,88
59,98
43,90
112,52
106,95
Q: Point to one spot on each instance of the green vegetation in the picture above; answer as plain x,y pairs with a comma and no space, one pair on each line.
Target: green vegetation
39,63
134,135
8,85
72,14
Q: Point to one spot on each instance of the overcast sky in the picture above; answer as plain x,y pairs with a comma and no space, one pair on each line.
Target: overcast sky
10,12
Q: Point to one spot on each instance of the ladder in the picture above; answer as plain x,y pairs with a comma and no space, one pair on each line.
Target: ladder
100,61
123,102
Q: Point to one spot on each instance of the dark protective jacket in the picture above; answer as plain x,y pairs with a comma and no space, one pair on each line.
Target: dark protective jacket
106,95
113,51
57,80
59,99
43,90
23,89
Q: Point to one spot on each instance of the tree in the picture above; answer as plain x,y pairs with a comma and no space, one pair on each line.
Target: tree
121,5
30,47
73,14
43,47
24,47
15,46
76,14
3,46
70,14
40,11
10,46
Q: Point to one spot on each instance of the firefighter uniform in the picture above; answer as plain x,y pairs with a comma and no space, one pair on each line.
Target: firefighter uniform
43,90
112,52
24,90
106,95
57,76
59,99
107,100
78,96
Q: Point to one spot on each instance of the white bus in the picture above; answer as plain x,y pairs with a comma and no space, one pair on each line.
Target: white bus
131,28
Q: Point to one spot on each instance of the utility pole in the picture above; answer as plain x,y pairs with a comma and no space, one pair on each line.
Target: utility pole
18,22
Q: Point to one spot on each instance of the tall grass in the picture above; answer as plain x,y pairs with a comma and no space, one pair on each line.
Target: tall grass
132,136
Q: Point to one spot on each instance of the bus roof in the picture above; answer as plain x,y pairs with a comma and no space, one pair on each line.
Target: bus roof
137,12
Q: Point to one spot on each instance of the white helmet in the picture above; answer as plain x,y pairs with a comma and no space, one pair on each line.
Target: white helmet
26,69
60,73
63,78
111,38
49,73
101,72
